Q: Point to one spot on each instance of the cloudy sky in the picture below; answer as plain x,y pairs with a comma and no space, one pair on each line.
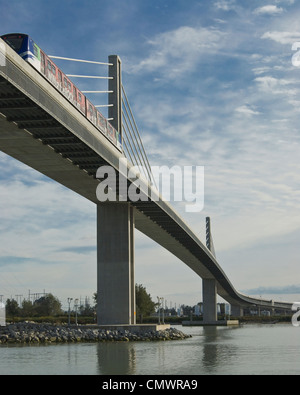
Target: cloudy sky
211,83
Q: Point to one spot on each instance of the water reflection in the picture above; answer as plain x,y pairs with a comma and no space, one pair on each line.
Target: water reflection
116,358
210,347
214,347
251,349
218,348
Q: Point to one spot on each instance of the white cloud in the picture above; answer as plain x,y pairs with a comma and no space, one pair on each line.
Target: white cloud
282,37
261,70
268,10
224,5
176,51
274,85
44,227
246,110
288,2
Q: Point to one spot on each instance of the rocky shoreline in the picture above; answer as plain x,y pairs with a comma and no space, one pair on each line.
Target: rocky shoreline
48,333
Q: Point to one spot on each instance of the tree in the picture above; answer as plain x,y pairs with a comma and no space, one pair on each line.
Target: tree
86,309
27,308
95,300
12,308
144,304
47,305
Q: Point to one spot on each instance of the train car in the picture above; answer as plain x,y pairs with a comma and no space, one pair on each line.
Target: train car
111,132
91,112
102,123
32,53
62,83
25,47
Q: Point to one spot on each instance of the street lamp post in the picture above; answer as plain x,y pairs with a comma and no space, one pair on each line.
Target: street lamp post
163,311
76,307
69,312
158,310
161,303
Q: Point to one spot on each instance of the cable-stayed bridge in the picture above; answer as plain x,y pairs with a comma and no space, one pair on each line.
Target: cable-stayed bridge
40,127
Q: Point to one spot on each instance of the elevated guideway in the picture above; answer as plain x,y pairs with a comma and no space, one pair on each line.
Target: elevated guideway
41,128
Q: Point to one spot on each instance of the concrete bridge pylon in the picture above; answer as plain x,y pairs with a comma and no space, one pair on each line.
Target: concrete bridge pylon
209,286
115,264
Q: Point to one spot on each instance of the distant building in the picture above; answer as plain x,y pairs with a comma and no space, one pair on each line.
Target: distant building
227,309
180,312
200,304
266,313
197,311
2,314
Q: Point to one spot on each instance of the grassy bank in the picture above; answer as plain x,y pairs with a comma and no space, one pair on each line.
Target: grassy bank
265,320
58,320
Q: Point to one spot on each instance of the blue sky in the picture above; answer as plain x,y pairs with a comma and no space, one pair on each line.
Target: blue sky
211,83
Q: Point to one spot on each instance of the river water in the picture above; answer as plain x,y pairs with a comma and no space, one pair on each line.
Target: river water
244,350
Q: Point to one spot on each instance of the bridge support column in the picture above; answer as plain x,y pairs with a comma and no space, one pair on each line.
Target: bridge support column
237,311
115,266
209,290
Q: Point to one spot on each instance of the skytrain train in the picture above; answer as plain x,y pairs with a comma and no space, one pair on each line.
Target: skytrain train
32,53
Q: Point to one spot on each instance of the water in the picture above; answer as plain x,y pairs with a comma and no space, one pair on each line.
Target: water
249,349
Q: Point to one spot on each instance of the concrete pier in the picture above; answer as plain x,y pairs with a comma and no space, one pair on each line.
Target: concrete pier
136,328
215,323
237,311
115,264
209,290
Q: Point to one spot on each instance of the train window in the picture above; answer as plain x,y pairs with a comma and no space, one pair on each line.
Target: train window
79,96
49,65
36,51
15,41
74,93
69,86
53,69
65,82
59,76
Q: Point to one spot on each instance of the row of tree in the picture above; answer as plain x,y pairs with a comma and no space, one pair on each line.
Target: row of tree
50,305
47,305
